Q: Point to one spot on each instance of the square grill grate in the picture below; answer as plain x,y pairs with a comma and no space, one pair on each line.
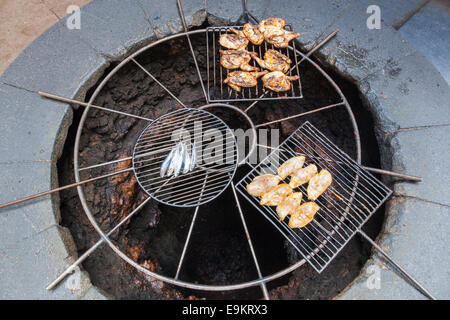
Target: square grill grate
354,195
216,74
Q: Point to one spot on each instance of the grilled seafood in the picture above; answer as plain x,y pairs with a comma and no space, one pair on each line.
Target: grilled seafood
302,176
235,59
277,81
271,23
290,166
262,184
289,205
238,79
276,195
251,32
318,184
233,41
273,61
280,38
304,215
178,161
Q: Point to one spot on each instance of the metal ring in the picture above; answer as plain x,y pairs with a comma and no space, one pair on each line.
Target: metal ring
123,255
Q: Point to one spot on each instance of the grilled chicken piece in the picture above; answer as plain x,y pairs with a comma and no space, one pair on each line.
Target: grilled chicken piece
233,41
318,184
280,38
235,59
250,32
302,175
304,215
262,184
276,195
271,23
291,165
277,81
238,79
273,60
289,205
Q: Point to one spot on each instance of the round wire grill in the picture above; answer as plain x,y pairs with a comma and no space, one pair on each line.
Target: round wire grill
204,135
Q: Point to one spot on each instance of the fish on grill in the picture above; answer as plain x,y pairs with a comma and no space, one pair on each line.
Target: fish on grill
251,32
233,41
276,195
279,37
318,184
238,79
273,61
262,184
290,165
304,215
289,205
277,81
235,59
302,176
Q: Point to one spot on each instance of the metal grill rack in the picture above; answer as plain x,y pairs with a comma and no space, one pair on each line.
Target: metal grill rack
218,91
348,203
217,159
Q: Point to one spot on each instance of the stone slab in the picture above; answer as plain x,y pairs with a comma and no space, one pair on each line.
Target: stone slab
429,32
425,153
415,235
408,93
32,128
395,13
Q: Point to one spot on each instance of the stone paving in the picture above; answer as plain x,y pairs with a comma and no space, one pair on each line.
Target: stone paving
407,95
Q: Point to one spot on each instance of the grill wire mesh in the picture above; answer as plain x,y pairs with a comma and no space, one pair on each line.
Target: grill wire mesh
215,146
216,74
354,195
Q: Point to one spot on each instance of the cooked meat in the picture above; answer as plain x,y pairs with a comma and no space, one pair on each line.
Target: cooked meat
273,60
304,215
289,205
276,195
234,59
233,41
271,23
302,175
238,79
280,38
278,81
262,184
291,165
318,184
253,34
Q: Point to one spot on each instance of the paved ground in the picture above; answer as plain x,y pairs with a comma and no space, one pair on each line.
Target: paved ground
398,78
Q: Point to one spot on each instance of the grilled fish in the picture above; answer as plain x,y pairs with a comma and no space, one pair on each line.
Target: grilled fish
304,215
277,81
262,184
291,165
289,205
302,176
318,184
276,195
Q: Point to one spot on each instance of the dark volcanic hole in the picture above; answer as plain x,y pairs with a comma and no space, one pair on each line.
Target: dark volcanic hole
218,252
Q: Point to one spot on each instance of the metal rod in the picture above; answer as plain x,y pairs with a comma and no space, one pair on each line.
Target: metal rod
62,188
394,174
247,235
83,257
159,83
186,243
105,163
85,104
301,114
406,274
183,20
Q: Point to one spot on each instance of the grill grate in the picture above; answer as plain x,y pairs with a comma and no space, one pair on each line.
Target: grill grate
216,74
216,151
348,203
